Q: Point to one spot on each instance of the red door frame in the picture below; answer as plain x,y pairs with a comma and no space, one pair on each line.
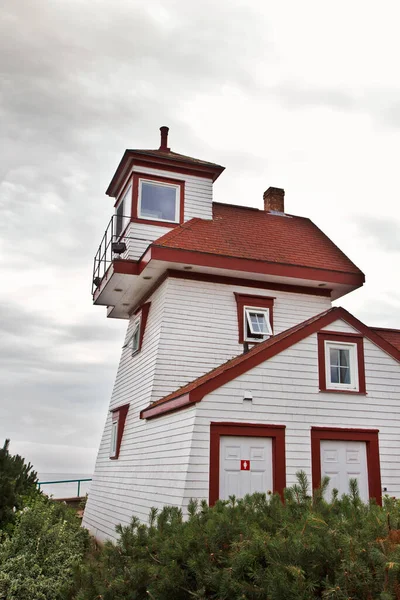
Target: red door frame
369,436
276,432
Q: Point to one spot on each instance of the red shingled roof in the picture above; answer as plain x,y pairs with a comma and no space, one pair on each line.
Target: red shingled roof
194,391
242,232
390,335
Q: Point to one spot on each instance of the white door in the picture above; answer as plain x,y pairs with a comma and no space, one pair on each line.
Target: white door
341,461
245,466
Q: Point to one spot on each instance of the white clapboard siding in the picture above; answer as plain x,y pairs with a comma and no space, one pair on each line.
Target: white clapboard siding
285,394
139,236
200,327
198,192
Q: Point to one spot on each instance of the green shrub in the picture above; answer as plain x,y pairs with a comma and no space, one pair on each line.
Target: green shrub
38,559
254,549
17,485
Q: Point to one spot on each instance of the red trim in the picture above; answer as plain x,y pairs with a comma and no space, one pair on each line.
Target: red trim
162,163
159,409
370,436
126,267
251,283
219,261
150,222
352,338
205,384
243,300
135,199
120,415
276,432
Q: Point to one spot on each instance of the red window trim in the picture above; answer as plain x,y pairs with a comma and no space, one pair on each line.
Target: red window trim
369,436
334,336
135,199
144,311
243,300
119,414
276,432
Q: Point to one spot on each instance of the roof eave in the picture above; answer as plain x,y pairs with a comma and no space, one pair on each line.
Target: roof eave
213,171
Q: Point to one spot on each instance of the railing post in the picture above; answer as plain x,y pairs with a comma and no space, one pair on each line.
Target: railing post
79,487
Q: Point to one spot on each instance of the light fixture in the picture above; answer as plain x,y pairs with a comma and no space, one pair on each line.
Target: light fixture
118,247
97,281
248,396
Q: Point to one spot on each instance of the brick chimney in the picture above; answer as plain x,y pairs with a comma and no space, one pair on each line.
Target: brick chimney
274,200
164,139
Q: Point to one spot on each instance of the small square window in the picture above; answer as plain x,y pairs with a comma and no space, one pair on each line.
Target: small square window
158,201
341,366
256,323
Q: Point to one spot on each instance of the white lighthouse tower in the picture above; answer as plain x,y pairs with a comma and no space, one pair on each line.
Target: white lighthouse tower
235,371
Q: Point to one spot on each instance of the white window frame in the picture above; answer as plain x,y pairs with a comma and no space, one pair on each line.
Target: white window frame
136,328
126,208
354,379
177,188
114,437
247,321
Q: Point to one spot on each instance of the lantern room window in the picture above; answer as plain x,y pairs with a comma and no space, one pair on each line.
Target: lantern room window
159,201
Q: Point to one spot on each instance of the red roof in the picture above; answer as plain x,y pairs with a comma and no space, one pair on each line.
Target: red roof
390,335
242,232
193,392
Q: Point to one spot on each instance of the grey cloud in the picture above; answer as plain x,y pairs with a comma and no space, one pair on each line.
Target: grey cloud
383,232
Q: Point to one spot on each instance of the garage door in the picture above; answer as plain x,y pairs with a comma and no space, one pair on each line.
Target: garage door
245,466
342,461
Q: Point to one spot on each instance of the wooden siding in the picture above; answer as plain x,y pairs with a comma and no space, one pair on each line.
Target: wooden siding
200,327
198,192
286,392
139,236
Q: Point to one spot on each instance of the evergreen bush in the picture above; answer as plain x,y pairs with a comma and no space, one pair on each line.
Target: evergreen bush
257,548
37,561
18,484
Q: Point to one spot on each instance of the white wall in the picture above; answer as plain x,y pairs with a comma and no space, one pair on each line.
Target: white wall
286,392
200,327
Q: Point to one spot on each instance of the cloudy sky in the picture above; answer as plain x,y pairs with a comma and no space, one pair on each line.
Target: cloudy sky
301,95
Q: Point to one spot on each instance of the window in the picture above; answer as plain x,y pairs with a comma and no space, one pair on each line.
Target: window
123,212
256,324
255,314
159,201
139,320
135,338
341,362
118,418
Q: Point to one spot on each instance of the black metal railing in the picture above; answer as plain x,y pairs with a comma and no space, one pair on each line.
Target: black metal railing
113,244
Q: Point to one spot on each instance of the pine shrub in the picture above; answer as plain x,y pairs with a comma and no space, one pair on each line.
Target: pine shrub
38,559
257,548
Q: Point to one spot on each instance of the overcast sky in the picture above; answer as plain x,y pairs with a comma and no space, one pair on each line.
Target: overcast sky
300,95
